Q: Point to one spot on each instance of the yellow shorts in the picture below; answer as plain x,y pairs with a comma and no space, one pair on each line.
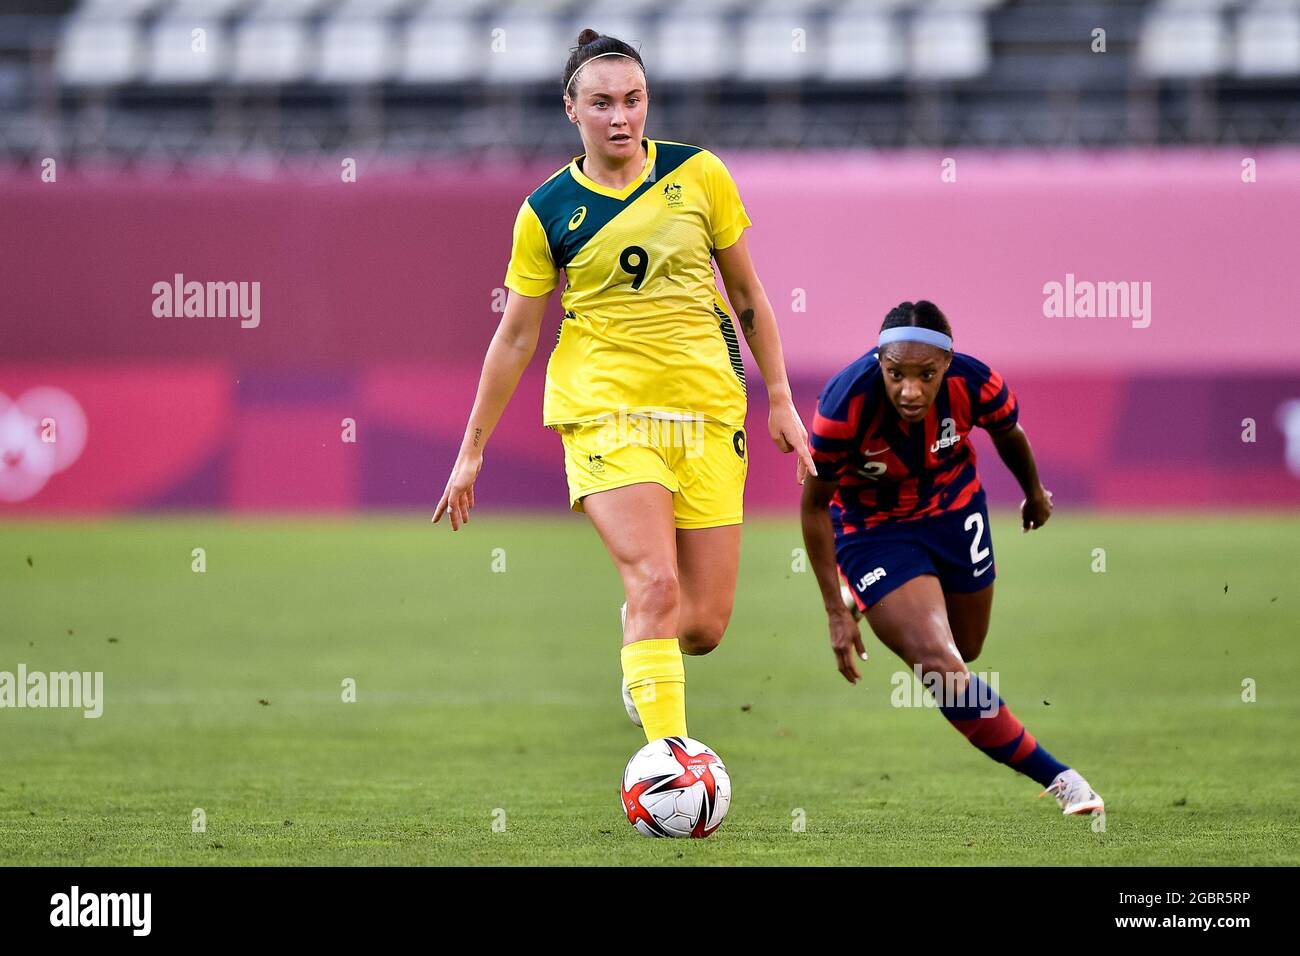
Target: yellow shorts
701,461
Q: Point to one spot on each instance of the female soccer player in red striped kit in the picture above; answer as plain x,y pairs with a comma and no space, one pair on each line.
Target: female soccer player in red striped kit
898,509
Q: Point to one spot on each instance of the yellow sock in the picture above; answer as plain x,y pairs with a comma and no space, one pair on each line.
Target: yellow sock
655,675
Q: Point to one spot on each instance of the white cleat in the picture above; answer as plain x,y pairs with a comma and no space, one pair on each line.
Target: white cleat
1073,794
846,595
628,703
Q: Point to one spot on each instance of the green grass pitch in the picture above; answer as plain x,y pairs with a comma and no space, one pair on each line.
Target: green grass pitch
487,693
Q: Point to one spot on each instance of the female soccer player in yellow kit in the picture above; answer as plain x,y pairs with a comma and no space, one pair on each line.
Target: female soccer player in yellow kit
645,384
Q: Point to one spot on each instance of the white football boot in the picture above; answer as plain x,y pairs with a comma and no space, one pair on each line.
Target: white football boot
1073,793
628,703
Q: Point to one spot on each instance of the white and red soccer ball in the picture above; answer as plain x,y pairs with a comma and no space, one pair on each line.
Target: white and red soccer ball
675,787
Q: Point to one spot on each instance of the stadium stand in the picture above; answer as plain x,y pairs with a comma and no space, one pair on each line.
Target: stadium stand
417,77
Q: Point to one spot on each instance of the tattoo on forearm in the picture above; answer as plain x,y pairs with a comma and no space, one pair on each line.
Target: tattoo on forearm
478,433
747,321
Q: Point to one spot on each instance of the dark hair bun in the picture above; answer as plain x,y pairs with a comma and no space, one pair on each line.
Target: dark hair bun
591,45
921,314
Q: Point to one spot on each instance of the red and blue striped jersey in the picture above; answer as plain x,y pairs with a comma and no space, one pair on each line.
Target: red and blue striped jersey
889,469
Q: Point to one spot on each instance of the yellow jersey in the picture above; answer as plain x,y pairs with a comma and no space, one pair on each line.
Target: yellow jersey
645,327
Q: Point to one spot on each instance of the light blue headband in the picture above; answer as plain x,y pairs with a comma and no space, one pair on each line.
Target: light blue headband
913,333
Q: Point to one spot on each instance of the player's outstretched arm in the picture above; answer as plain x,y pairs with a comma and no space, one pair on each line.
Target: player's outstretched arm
1013,448
757,320
819,544
509,354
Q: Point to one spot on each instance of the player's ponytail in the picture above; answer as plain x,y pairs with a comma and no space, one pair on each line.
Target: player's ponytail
591,45
923,314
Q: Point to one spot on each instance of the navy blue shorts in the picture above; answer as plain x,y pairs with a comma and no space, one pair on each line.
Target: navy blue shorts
955,546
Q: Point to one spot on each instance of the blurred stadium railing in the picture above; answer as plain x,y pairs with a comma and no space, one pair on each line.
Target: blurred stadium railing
121,80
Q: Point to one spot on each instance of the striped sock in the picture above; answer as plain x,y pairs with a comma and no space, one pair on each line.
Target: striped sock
1002,736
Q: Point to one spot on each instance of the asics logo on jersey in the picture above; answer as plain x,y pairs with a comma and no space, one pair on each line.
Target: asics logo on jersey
870,578
579,214
673,193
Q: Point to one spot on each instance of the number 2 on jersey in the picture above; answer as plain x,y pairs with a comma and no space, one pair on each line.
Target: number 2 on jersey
977,554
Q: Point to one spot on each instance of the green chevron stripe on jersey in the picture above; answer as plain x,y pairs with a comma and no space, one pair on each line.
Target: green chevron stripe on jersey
733,346
558,199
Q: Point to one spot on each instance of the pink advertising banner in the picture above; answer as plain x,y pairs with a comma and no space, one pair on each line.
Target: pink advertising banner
1139,303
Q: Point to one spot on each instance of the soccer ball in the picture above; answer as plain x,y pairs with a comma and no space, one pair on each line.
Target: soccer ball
675,787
